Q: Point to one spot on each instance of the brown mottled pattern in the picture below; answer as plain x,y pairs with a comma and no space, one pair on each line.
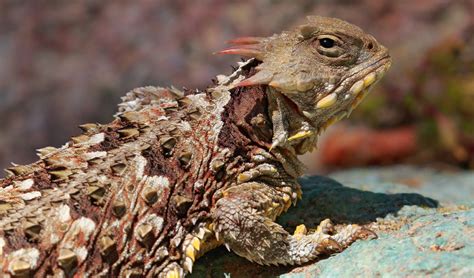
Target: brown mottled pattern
177,174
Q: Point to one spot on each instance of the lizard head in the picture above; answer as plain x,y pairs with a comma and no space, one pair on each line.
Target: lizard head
322,70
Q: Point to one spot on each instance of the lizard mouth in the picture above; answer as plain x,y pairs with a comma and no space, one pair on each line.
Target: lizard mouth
348,94
353,89
360,87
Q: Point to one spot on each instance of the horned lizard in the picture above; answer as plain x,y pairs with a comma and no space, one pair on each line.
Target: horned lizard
180,172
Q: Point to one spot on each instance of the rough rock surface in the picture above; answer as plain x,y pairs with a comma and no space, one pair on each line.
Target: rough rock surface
424,219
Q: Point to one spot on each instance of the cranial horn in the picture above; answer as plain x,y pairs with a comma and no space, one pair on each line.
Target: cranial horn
244,50
245,46
245,40
261,77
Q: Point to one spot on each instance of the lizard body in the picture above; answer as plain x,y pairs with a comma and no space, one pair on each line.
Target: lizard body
179,173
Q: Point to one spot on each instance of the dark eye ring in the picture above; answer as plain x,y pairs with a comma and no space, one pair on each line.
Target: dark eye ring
326,42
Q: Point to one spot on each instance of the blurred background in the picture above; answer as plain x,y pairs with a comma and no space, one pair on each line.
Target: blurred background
63,63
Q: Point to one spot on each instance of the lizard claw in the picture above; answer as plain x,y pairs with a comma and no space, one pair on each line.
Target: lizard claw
325,227
329,244
365,233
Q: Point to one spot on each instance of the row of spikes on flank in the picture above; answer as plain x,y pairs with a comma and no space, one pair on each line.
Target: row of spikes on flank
125,133
167,143
61,173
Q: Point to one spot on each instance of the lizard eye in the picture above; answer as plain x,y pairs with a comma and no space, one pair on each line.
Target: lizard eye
326,42
329,46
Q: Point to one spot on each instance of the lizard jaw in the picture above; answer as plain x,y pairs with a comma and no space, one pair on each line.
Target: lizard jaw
338,104
362,86
347,95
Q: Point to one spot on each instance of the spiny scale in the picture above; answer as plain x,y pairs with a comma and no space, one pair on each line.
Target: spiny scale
178,173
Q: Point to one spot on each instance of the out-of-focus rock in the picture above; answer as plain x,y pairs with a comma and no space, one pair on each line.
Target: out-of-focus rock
358,146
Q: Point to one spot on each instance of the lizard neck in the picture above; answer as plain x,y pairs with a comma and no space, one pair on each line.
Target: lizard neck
292,131
252,120
246,120
269,116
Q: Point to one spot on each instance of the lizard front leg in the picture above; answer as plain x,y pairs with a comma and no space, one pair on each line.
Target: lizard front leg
245,224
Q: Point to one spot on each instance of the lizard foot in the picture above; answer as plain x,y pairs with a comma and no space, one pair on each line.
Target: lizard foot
329,240
351,233
255,236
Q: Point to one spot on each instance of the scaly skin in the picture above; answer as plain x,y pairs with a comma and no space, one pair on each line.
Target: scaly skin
179,173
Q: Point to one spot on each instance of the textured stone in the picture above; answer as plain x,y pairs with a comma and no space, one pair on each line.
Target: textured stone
428,217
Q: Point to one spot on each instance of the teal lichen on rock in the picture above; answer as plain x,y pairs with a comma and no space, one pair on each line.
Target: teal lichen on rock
424,220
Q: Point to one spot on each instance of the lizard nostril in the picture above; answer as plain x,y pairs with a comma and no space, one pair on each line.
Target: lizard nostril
370,46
